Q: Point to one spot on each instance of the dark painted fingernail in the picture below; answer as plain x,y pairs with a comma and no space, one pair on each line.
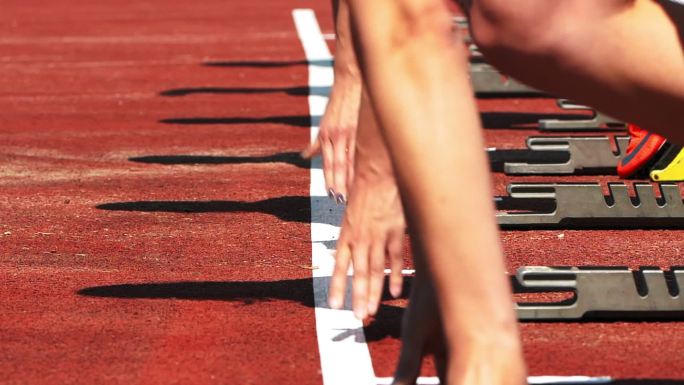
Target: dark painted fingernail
331,194
340,199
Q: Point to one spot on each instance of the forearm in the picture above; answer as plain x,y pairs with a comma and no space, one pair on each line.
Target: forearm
420,90
346,65
372,158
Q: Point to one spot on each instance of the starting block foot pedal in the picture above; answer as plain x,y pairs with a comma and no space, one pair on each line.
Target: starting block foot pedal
612,293
585,154
670,168
583,205
599,121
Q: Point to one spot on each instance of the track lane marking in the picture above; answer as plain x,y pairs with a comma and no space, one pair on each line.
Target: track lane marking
532,380
345,358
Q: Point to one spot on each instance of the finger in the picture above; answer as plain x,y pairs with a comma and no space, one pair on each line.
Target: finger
313,149
377,277
395,252
441,361
327,152
338,281
339,145
360,281
412,344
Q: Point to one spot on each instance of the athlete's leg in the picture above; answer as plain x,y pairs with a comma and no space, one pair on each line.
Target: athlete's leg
421,330
624,57
418,83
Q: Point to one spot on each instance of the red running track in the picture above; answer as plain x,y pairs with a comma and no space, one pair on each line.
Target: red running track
154,217
100,103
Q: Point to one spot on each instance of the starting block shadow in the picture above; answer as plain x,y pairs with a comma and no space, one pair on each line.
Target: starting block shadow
517,120
499,159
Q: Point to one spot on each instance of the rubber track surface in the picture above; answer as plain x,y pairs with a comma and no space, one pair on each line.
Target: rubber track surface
154,214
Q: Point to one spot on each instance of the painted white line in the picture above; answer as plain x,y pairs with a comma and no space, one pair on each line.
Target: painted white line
532,380
345,358
541,380
403,272
419,381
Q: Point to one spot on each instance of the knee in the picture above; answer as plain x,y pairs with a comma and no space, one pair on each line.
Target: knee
424,18
503,28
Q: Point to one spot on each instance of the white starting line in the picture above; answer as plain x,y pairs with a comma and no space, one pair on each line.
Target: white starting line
345,358
532,380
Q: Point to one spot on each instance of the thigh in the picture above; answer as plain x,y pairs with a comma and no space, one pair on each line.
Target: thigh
675,9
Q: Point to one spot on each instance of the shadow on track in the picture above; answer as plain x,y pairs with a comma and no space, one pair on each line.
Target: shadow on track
300,291
490,120
268,63
503,95
498,158
295,290
294,91
288,208
291,120
292,158
521,120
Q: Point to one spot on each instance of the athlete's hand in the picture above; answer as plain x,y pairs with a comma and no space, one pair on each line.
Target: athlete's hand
486,357
372,231
337,137
421,333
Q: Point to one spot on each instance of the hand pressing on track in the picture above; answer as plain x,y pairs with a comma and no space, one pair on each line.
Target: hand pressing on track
336,139
488,358
421,333
373,226
372,232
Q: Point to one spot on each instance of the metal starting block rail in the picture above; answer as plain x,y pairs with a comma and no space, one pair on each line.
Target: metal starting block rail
583,205
485,78
598,121
585,154
488,80
602,292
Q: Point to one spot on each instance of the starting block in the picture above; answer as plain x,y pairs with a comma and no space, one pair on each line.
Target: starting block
602,292
583,205
599,121
485,78
488,80
673,169
585,153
